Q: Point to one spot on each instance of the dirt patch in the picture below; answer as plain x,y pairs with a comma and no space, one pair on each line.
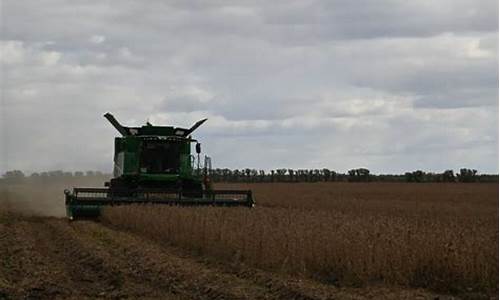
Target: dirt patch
42,196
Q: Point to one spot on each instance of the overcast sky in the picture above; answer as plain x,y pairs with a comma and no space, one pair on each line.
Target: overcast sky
392,86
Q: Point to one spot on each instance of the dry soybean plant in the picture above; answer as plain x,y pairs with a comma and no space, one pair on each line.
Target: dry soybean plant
344,234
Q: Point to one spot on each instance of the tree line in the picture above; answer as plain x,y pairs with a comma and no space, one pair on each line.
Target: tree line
353,175
19,176
288,175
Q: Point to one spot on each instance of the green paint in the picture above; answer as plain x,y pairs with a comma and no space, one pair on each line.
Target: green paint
83,211
156,157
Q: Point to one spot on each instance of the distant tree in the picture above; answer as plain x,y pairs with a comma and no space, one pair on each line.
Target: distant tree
467,175
342,177
56,173
247,175
225,174
254,175
13,176
218,174
316,175
409,177
431,177
415,176
262,175
310,175
333,176
418,175
325,173
488,178
360,174
448,176
234,175
299,175
281,175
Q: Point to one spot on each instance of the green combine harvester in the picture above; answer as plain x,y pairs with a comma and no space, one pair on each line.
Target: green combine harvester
154,165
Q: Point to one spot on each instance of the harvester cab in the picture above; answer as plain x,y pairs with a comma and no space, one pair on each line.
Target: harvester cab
154,165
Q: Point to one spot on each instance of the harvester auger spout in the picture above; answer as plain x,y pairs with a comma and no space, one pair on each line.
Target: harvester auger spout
154,165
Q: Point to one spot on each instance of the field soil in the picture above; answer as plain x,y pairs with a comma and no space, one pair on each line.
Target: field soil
50,258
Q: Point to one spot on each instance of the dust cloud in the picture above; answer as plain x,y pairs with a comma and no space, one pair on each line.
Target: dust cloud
42,197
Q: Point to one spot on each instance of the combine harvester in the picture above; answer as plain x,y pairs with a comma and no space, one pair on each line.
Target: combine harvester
154,165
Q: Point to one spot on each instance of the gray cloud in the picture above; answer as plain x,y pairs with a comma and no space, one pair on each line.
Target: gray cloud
389,85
